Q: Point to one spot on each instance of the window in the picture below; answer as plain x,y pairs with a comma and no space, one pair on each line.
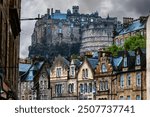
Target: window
58,72
122,42
72,72
86,73
128,80
104,69
106,85
121,98
101,86
138,60
125,62
138,97
71,88
85,88
58,89
121,81
30,97
138,79
22,97
128,97
90,87
83,73
81,88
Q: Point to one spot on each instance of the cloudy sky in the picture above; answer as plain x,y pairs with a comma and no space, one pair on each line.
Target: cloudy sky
117,8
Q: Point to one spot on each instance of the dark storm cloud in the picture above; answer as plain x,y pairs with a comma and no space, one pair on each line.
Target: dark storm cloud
117,8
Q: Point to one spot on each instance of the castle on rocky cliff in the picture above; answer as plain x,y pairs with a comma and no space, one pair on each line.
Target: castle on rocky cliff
71,33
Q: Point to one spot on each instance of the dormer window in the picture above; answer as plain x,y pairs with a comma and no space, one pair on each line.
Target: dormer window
58,72
85,73
125,62
104,68
72,71
138,61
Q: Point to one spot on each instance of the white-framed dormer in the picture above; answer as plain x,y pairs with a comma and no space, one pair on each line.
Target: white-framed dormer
72,71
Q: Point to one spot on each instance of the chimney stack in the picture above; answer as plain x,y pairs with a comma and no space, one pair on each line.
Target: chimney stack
51,11
48,11
127,20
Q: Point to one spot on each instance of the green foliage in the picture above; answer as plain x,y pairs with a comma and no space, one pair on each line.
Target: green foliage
134,42
114,49
131,43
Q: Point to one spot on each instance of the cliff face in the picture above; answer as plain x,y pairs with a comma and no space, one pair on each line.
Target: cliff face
70,33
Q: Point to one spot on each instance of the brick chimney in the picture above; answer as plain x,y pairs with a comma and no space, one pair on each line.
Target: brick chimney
127,20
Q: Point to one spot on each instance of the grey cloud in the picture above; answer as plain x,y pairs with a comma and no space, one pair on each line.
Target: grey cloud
118,8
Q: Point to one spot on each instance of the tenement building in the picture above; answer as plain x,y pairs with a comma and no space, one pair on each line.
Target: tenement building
71,33
129,28
102,77
9,48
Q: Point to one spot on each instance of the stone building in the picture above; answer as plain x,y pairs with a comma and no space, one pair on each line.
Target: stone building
71,33
131,76
86,80
104,76
63,87
9,48
129,28
28,85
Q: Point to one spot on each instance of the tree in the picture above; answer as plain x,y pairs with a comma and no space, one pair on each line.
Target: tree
114,49
134,42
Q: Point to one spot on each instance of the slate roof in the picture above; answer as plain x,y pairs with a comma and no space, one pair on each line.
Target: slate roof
32,71
77,62
135,25
117,61
24,67
59,16
93,62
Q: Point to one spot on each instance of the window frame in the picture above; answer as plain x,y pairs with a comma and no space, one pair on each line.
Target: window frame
58,72
104,68
138,79
138,59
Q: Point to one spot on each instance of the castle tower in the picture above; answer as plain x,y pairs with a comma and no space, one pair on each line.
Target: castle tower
75,9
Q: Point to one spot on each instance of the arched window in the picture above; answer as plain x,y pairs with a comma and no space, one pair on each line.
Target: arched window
83,73
104,68
72,87
86,71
